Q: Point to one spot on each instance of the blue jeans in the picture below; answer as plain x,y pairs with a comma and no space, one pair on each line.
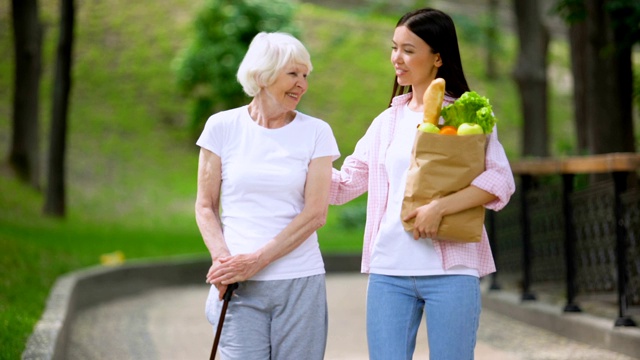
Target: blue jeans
394,310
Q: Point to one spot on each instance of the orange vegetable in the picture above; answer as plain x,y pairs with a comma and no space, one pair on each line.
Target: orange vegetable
448,130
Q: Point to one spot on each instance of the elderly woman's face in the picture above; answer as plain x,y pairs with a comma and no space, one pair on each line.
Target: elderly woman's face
290,85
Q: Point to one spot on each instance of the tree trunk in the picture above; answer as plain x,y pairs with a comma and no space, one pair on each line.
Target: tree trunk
578,39
530,74
609,85
492,39
55,198
24,155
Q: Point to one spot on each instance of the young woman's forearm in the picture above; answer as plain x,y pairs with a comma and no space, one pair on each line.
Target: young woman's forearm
464,199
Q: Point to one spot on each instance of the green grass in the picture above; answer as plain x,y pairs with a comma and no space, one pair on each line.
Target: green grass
132,163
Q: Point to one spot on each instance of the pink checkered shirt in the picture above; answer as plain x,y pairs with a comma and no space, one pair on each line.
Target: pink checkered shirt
365,170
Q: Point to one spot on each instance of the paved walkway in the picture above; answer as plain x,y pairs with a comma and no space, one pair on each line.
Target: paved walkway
169,324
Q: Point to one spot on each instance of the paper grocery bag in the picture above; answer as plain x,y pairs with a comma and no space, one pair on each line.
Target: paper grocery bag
441,165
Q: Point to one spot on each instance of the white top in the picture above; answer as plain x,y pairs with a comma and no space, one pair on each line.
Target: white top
395,252
263,179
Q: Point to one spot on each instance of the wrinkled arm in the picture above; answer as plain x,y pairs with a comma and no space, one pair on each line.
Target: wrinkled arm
313,216
208,202
207,208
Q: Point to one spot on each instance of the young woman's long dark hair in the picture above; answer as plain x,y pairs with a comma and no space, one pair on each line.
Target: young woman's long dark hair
438,31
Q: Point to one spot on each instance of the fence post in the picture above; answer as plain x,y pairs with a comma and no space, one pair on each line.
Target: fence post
620,185
527,184
493,243
569,243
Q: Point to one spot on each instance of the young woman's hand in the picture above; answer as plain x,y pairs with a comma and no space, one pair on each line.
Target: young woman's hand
427,220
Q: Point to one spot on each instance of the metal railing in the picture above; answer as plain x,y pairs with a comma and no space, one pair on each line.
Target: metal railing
561,228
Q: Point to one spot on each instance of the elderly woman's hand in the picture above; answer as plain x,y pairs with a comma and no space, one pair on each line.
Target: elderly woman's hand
233,269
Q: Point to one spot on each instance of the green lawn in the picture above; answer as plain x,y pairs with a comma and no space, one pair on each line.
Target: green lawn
132,163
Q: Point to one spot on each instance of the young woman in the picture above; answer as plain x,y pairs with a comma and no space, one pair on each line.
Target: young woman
410,272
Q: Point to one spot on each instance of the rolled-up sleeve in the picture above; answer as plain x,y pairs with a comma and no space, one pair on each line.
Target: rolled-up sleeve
497,178
349,182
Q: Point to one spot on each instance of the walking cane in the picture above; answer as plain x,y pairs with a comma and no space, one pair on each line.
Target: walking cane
225,298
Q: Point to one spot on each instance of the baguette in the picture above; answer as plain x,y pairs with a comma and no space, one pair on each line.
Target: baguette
432,101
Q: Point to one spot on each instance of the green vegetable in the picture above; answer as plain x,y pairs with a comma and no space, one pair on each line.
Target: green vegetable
470,108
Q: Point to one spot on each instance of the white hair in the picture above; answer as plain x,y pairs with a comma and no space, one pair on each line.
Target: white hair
268,54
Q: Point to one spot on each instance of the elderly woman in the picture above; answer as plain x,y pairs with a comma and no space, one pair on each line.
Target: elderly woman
263,182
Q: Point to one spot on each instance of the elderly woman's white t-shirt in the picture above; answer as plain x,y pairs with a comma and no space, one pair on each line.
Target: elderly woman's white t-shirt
263,180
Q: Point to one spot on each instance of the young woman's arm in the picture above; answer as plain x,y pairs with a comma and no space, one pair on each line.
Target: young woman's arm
352,180
428,217
492,189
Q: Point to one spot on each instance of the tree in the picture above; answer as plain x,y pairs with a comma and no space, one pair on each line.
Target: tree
206,69
530,74
609,84
577,39
492,38
55,197
24,154
603,33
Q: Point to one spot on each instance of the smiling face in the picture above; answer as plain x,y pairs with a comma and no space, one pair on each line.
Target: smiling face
289,86
413,59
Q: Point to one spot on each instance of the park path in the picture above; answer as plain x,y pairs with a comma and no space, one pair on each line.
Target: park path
169,324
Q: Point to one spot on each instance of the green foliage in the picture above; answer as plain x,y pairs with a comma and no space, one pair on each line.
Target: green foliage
344,232
223,29
626,21
470,29
391,8
625,17
353,216
347,99
480,30
571,11
636,87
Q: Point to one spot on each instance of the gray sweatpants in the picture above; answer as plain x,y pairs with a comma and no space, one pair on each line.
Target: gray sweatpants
273,320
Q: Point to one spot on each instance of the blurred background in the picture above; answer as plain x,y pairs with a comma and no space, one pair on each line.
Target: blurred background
101,103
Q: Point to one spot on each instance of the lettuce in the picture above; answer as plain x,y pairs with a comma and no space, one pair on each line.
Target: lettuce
470,108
